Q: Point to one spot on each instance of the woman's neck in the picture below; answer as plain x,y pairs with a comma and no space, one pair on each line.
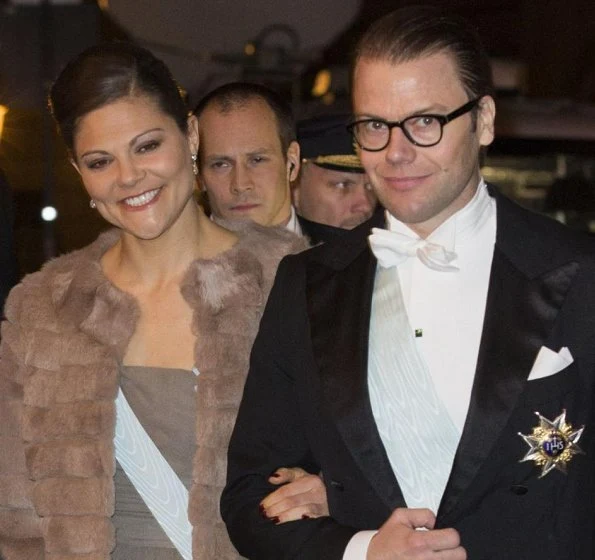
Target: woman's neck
150,263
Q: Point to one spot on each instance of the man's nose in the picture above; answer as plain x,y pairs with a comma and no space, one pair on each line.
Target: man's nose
241,180
399,149
363,200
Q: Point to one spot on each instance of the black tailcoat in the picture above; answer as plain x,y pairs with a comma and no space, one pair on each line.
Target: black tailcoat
306,403
8,264
319,233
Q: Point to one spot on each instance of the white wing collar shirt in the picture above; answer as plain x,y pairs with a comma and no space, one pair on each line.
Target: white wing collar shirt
428,309
443,283
294,224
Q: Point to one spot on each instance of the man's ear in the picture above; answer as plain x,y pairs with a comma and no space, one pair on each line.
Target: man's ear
486,115
293,160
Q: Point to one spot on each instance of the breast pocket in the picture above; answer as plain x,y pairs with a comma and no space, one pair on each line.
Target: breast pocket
556,387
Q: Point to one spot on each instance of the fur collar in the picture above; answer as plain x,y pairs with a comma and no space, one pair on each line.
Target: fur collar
69,330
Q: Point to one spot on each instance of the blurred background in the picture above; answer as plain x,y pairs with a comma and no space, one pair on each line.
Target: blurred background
543,56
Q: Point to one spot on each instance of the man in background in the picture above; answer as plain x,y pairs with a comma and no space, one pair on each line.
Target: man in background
248,154
248,157
331,187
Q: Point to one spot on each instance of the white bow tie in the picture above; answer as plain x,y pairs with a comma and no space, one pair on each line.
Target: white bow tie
392,248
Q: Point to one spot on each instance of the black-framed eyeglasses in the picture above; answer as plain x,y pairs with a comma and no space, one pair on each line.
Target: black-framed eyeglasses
424,130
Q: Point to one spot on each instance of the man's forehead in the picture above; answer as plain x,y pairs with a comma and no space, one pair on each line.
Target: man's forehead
252,108
242,137
427,82
390,59
255,124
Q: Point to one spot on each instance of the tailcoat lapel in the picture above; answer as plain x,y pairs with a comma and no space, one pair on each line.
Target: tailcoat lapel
339,300
522,305
528,285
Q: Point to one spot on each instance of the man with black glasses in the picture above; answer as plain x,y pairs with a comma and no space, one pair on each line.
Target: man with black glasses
436,367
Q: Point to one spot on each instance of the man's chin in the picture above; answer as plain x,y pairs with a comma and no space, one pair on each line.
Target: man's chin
248,212
353,223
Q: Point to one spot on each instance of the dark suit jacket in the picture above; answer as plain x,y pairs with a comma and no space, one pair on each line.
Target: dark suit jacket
306,403
319,233
8,265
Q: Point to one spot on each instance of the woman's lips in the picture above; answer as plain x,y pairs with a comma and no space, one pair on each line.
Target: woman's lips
141,201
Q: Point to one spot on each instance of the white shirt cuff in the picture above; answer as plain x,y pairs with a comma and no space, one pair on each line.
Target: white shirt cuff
357,548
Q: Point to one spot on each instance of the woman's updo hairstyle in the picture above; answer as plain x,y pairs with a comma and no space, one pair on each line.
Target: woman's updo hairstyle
107,72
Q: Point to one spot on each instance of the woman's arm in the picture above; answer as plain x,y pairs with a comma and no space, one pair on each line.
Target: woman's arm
269,432
20,527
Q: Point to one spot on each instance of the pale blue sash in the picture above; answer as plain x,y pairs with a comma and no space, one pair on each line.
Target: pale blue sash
417,431
158,485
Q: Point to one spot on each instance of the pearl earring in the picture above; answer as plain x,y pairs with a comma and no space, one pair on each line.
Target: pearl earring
194,165
92,204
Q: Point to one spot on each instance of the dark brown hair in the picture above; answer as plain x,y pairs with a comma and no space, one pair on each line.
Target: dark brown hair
107,72
415,31
238,94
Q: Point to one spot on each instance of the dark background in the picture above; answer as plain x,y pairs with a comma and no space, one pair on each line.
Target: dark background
543,53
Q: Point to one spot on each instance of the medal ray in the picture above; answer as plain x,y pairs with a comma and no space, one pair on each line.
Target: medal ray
552,444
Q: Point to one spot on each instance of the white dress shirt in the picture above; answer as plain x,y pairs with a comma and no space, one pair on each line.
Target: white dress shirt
447,309
294,224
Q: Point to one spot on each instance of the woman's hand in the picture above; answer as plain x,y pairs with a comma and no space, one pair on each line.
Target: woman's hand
301,496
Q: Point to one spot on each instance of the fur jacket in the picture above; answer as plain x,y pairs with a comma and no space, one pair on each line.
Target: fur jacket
66,332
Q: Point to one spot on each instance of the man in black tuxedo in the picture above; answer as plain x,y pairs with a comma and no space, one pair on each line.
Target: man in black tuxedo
438,373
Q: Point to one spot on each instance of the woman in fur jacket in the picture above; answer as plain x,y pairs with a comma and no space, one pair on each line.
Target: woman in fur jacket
122,364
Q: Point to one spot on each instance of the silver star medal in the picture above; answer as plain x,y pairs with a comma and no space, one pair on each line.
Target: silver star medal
552,444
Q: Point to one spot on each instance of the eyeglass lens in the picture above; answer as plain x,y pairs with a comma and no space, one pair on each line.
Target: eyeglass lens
421,130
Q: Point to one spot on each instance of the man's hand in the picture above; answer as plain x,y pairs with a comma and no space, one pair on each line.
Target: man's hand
400,538
302,496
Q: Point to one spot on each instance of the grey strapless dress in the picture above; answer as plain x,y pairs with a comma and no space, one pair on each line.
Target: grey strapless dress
164,401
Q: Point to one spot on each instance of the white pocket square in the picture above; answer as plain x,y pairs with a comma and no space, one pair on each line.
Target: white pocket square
549,362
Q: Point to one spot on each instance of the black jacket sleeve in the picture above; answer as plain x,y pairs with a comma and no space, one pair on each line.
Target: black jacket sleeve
271,432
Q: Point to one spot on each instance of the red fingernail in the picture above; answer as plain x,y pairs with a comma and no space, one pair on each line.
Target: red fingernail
262,511
275,520
306,516
274,474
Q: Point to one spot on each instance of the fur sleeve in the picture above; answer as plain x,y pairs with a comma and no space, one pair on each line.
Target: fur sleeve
20,527
228,295
269,245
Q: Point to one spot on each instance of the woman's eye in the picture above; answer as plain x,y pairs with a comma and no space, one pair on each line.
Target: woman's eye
149,146
98,163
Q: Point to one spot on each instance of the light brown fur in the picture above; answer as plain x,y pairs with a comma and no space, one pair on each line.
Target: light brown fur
66,334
